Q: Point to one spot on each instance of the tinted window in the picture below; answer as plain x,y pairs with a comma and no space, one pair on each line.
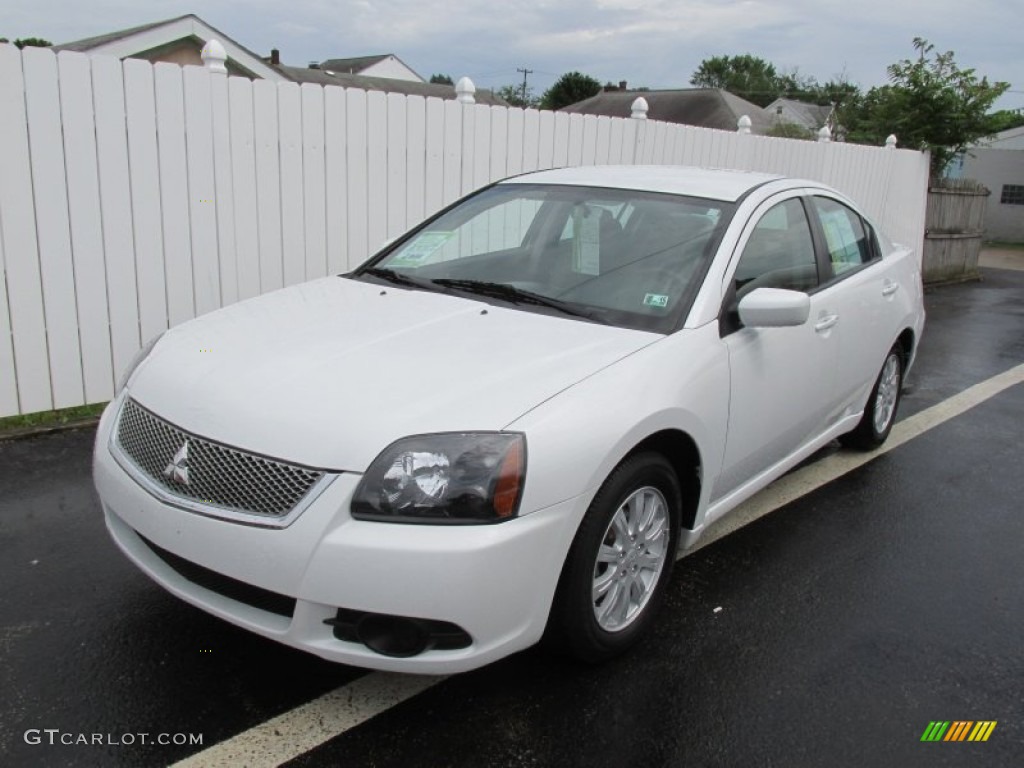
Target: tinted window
846,236
779,252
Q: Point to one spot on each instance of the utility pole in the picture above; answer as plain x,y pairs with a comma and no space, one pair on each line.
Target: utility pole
525,73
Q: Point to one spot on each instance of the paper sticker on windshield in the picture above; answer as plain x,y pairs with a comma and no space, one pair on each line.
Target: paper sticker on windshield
659,300
586,259
420,249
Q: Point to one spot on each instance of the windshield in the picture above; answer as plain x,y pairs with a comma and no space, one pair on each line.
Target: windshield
621,257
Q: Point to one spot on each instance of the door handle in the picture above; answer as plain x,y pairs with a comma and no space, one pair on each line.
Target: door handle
889,288
825,322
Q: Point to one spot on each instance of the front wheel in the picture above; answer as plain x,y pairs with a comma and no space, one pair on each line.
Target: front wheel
620,561
880,411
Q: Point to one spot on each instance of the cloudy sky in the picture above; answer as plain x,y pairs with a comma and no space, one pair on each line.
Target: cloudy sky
653,43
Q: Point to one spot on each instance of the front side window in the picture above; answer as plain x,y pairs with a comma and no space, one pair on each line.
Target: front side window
621,257
779,252
846,237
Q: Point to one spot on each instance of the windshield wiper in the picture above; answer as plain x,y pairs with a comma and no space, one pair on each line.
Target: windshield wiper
513,295
399,278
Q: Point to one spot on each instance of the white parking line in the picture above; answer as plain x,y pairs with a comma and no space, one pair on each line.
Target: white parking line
306,727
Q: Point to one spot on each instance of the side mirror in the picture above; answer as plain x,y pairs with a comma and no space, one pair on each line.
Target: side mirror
774,308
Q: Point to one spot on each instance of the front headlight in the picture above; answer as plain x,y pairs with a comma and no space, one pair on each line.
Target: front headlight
458,477
136,361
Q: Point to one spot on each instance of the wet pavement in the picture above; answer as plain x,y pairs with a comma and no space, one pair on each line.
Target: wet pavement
849,619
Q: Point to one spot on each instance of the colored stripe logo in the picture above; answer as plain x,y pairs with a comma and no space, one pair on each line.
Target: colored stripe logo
958,730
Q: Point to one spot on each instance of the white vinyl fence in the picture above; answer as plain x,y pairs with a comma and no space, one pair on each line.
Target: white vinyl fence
134,197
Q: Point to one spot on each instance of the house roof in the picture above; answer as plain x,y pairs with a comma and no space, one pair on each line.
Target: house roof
135,40
355,64
327,76
705,107
811,116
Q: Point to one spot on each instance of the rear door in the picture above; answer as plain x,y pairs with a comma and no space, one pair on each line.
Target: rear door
864,290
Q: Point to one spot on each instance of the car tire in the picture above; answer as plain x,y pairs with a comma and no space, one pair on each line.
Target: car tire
614,577
880,411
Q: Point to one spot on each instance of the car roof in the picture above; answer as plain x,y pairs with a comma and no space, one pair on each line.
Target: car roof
709,183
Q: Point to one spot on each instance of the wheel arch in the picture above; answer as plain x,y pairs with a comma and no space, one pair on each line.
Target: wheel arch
681,451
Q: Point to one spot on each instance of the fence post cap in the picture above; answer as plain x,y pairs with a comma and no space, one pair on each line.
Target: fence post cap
639,108
824,134
214,56
890,141
464,90
743,124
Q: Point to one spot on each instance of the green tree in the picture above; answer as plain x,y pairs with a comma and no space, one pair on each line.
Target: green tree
568,89
1005,119
513,94
746,76
441,79
929,103
33,42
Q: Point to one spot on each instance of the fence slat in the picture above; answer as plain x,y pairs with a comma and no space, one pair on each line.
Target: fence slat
357,183
498,143
376,171
174,197
24,297
415,169
335,179
396,160
144,177
116,210
79,128
531,140
575,155
434,147
224,195
314,189
293,240
268,184
49,185
201,189
246,210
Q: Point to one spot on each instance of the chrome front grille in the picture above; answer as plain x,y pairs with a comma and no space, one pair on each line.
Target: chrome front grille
208,473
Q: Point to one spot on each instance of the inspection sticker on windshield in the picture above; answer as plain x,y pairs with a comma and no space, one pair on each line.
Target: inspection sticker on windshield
422,247
659,300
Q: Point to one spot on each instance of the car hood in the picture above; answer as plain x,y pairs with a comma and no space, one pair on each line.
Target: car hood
329,372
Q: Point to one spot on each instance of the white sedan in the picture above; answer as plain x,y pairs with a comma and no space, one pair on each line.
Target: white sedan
506,424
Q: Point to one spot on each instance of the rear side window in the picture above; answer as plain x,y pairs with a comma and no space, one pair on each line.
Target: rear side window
847,237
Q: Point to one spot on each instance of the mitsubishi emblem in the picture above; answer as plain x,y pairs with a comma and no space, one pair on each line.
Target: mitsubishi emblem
177,470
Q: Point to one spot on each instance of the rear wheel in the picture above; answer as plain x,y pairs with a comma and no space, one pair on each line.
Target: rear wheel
880,411
620,561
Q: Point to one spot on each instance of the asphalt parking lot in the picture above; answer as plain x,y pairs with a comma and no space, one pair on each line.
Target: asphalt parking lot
831,631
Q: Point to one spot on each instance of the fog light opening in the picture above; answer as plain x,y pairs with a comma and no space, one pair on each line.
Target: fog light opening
392,635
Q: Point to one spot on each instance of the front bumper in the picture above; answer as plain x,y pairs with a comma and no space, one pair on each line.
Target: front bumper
496,582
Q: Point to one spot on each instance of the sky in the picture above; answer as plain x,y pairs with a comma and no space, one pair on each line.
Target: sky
649,43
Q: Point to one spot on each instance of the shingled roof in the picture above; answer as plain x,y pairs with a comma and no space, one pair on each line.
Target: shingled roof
328,76
705,107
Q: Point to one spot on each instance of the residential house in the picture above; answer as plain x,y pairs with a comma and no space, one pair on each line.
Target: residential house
998,163
386,65
705,107
180,41
810,117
